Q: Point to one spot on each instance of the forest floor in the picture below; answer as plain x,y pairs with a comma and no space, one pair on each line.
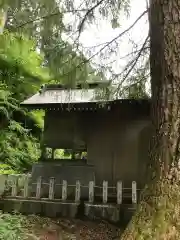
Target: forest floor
64,229
15,227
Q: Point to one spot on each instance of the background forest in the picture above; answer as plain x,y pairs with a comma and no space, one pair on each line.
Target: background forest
33,52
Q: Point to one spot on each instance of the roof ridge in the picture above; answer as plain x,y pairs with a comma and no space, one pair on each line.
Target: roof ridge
83,85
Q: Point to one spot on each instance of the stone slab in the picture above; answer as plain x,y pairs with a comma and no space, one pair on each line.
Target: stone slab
113,213
43,208
107,212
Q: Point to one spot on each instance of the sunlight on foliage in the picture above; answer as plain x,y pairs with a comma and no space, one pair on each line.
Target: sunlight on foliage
19,51
38,116
21,75
6,169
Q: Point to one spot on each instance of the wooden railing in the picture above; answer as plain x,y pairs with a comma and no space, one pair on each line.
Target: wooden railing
25,191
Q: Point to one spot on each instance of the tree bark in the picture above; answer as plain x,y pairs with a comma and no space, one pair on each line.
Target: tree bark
158,214
165,79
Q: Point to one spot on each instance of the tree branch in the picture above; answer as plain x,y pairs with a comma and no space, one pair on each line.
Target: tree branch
133,52
49,16
121,34
108,43
133,63
87,14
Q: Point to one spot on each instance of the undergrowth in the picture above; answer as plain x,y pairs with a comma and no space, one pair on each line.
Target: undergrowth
16,226
11,226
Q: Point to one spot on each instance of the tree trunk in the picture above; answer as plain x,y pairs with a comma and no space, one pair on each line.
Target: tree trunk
158,214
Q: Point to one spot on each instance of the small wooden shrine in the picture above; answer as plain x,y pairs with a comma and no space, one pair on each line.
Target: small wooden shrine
113,133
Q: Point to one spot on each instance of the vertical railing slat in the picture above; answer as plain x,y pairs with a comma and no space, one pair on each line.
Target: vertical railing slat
14,186
119,192
64,190
3,180
91,191
51,188
78,191
38,187
134,192
105,192
26,187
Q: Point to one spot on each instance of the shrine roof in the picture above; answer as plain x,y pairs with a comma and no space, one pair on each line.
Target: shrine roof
58,95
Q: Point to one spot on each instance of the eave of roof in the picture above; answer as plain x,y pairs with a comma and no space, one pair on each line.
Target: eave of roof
61,96
56,96
90,106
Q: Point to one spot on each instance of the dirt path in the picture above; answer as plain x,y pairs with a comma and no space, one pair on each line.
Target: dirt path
62,229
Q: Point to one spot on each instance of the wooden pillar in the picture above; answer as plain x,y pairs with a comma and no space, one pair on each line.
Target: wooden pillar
73,155
52,155
43,152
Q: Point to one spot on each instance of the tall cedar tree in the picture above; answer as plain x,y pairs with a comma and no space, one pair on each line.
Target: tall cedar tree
158,215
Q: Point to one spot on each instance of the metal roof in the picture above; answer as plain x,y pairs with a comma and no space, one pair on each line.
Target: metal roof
95,96
61,96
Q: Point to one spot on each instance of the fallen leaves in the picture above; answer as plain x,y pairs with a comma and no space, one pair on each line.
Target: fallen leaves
66,229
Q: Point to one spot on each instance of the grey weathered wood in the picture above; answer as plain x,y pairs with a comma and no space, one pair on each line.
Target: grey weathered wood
14,186
91,191
64,190
51,188
26,187
78,191
134,192
105,191
3,181
119,192
38,187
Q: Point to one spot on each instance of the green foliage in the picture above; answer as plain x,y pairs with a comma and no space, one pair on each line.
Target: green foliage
44,21
11,227
17,147
21,75
6,169
59,154
23,70
37,116
67,66
20,65
7,103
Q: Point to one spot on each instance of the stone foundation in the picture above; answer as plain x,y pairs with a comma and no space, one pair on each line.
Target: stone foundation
108,212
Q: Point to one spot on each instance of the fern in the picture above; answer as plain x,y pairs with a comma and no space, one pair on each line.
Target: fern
4,112
11,227
21,75
15,126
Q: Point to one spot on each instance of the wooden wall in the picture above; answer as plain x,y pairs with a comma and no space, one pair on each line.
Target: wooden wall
117,140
